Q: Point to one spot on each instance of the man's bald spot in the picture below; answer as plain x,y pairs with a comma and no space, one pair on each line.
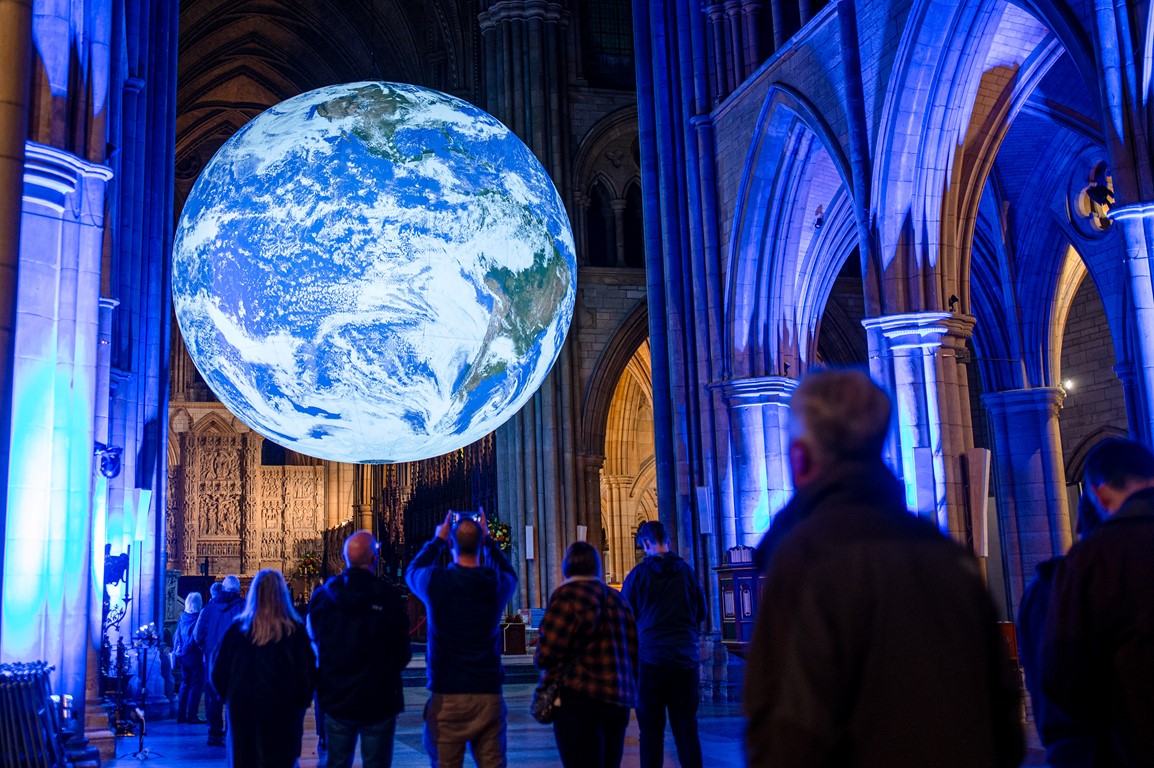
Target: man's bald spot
361,550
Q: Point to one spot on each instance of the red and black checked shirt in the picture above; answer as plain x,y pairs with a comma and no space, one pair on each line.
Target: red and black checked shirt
607,667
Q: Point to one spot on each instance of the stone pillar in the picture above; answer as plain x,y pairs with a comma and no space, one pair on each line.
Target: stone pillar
15,63
618,206
48,536
1030,479
620,526
1136,223
750,11
915,356
719,70
524,43
593,515
759,435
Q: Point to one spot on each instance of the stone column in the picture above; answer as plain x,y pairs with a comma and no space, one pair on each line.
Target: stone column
618,205
1030,479
1136,223
15,63
759,435
620,526
593,515
525,42
915,356
48,536
750,11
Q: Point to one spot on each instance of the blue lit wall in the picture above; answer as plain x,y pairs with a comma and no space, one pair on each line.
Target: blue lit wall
90,337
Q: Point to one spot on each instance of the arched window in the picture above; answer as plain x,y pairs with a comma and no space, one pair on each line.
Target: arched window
602,245
608,43
634,229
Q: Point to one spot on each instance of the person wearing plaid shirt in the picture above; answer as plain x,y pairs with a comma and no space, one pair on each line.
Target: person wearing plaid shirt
589,621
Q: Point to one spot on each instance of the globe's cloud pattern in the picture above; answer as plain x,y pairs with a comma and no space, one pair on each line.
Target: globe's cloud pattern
374,272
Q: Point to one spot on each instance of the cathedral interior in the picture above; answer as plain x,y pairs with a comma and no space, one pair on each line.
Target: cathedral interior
954,194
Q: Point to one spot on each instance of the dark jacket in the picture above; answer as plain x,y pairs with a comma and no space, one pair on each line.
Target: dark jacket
1032,612
465,606
875,641
669,605
267,690
215,618
360,632
1098,649
590,621
184,645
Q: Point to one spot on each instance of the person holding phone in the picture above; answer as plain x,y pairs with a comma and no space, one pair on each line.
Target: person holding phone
465,601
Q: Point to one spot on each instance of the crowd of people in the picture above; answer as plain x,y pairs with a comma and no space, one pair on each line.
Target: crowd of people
876,642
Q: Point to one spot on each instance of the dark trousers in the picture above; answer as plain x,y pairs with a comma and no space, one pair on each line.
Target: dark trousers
376,742
675,690
589,733
214,711
191,686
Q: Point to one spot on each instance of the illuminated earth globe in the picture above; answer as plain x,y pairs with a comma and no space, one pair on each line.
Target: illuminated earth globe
374,272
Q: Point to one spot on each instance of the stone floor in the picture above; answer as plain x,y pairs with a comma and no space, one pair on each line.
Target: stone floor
530,744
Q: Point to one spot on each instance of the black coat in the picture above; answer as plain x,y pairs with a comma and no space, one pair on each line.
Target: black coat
1098,649
267,690
360,631
669,605
875,642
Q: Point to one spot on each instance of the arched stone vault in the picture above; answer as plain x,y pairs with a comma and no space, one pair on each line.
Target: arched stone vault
781,263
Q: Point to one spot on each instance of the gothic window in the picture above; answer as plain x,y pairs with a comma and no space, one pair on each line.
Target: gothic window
608,43
599,237
634,229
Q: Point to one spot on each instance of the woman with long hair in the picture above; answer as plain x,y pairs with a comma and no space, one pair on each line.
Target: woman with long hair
588,641
265,672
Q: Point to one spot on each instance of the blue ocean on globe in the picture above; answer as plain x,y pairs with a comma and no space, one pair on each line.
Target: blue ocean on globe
374,272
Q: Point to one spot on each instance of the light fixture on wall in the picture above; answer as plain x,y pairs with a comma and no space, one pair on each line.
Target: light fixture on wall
109,456
954,302
818,218
1068,385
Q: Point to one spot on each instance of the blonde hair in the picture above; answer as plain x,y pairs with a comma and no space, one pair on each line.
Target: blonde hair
268,614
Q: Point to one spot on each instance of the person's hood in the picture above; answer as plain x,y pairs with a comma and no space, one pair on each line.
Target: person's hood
188,618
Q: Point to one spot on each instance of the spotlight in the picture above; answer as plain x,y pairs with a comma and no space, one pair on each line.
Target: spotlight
109,459
1068,385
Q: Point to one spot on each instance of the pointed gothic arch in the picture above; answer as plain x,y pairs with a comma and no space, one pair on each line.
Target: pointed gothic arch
793,213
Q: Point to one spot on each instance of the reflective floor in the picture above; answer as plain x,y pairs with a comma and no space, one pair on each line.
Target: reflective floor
530,744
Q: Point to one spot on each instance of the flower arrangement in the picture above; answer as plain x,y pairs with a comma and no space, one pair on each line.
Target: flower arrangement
309,566
501,533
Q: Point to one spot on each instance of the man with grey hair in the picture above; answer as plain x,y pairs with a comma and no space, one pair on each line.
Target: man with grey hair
875,640
214,620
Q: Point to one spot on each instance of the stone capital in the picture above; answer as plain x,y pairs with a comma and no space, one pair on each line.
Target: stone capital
911,330
1132,211
521,10
1019,401
51,175
757,391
